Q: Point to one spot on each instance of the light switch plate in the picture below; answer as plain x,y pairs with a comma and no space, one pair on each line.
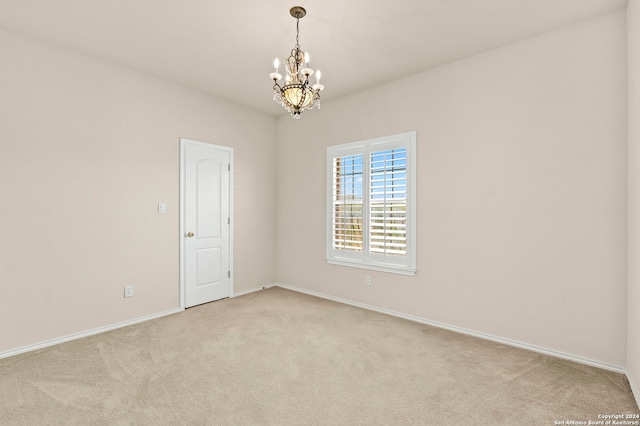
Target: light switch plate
162,208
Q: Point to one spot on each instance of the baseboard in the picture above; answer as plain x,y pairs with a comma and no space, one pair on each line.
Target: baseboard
509,342
253,290
52,342
485,336
88,333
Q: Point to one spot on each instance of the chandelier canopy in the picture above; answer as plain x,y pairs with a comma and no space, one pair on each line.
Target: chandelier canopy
296,95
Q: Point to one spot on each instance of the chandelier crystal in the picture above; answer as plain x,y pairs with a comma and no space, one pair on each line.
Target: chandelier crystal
296,95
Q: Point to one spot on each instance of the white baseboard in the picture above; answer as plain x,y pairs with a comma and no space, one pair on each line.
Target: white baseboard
485,336
509,342
253,290
88,333
52,342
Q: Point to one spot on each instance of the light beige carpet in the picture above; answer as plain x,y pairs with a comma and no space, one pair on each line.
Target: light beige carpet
277,357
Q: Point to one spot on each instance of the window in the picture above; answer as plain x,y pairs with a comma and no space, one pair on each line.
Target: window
371,204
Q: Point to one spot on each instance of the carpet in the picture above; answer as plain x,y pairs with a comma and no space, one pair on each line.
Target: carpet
277,357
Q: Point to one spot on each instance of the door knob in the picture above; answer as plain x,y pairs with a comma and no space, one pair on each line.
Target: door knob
190,234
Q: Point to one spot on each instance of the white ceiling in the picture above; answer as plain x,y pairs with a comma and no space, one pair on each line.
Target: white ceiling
226,47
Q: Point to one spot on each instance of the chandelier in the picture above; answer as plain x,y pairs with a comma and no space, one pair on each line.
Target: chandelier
296,95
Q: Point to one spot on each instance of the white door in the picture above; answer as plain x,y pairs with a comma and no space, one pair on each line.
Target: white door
206,222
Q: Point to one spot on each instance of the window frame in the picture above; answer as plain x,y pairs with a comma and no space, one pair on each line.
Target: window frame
405,265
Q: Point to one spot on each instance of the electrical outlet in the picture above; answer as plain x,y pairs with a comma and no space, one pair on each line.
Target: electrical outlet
367,280
128,291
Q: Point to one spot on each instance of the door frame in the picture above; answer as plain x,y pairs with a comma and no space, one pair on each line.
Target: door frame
183,158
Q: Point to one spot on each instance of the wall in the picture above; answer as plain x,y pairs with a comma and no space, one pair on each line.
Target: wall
88,150
633,298
521,192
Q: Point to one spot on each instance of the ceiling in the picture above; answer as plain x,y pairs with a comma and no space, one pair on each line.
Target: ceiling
226,47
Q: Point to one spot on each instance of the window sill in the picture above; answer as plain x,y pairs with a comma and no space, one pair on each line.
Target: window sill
393,269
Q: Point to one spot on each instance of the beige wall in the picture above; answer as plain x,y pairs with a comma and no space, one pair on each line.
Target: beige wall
88,150
633,299
521,192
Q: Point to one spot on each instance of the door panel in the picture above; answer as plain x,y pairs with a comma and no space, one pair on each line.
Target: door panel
208,206
206,224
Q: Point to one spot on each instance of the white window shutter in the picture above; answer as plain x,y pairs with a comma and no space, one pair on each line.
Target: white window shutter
371,204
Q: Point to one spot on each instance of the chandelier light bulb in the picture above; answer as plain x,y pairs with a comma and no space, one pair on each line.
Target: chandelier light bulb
306,71
276,76
318,87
